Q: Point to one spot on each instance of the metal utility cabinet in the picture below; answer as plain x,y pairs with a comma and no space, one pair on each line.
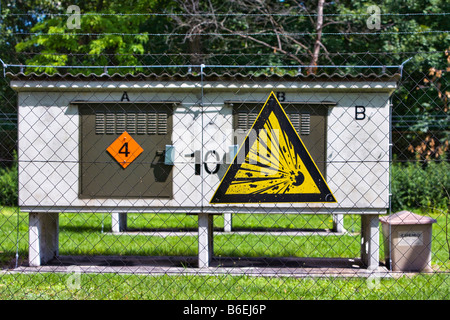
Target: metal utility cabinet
163,143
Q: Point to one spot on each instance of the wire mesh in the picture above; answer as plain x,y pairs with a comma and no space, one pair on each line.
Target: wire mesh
144,233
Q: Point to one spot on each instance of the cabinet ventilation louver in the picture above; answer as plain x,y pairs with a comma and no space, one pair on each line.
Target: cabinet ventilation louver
305,126
301,122
133,123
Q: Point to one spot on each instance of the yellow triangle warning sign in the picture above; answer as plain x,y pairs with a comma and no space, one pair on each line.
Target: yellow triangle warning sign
272,165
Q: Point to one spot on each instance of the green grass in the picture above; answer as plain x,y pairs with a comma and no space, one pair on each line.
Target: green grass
225,287
89,234
82,235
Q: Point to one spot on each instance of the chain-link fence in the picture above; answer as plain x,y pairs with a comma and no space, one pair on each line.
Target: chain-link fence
219,180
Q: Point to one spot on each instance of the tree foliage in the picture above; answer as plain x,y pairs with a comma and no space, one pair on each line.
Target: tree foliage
256,32
280,32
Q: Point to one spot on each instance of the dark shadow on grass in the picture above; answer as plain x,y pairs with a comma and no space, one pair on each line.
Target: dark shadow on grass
68,228
157,263
8,259
235,229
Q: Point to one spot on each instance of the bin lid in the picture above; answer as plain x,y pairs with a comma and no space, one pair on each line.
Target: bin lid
406,217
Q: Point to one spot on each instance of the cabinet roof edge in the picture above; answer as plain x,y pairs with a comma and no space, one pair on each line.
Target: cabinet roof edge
216,82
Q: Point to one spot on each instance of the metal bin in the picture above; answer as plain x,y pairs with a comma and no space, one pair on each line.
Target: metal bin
407,241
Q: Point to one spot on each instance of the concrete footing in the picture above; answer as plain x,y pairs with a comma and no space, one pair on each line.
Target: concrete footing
338,223
44,230
43,237
370,241
119,221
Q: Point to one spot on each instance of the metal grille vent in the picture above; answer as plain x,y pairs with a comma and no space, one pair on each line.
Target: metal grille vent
133,123
246,120
305,127
301,122
100,123
295,120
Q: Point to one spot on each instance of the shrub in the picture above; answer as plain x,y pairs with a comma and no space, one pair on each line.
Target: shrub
9,186
414,186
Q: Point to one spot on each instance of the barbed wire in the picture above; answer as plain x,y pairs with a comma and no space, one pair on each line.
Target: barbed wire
229,54
218,34
228,14
195,65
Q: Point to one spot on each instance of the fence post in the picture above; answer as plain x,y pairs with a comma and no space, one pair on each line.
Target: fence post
227,221
205,239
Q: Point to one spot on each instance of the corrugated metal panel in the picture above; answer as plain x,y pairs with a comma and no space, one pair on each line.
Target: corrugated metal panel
206,77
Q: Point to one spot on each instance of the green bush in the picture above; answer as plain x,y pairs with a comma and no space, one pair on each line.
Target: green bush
414,186
9,186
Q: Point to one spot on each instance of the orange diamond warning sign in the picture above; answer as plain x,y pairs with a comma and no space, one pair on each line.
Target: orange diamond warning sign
124,149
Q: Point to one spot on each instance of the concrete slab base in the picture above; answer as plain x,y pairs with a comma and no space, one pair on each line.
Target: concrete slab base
44,230
187,265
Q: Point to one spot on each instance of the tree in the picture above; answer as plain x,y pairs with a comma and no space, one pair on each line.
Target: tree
12,20
277,32
264,24
430,132
257,32
104,37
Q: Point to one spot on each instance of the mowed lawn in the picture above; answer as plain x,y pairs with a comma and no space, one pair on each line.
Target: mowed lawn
90,234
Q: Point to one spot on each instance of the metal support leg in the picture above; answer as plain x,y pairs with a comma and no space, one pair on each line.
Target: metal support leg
205,240
338,223
43,232
227,221
370,241
119,221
